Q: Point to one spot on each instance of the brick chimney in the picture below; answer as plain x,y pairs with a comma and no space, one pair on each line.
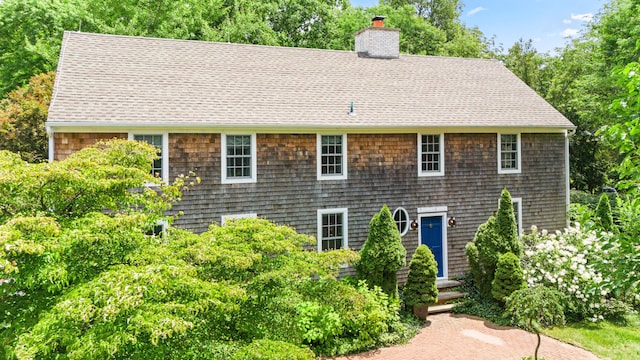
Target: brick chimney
377,41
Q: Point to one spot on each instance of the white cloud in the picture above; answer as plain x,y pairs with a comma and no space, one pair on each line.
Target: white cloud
476,10
582,17
566,21
569,32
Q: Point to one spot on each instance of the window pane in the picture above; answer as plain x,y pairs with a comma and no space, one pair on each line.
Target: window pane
509,151
239,156
430,156
331,157
155,140
332,236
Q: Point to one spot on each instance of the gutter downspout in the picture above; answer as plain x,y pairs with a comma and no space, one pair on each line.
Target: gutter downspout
567,134
51,149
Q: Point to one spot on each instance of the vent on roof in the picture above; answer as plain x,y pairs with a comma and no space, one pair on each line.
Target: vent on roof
377,41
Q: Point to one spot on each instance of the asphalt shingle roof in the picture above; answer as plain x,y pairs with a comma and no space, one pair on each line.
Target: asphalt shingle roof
111,80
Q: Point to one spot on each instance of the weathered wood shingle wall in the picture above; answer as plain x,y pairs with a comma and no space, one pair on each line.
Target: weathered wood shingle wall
382,169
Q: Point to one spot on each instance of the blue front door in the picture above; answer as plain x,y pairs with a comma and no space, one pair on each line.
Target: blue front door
431,235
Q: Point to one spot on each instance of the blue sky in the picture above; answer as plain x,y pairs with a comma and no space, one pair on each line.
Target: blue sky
549,23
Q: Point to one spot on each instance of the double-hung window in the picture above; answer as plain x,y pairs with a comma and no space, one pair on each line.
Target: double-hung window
332,229
430,154
332,157
160,166
238,158
509,153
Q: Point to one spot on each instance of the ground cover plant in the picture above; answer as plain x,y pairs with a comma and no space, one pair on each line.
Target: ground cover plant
84,277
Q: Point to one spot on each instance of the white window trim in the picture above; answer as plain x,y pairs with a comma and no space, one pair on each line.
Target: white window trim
343,176
519,155
406,228
519,215
226,218
223,162
431,173
165,152
345,225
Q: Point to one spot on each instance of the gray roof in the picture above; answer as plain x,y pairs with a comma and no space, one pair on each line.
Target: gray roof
120,81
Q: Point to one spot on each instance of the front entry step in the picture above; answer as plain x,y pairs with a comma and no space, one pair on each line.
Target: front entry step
443,308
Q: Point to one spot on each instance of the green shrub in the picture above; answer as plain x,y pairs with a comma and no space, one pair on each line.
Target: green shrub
265,349
508,278
382,254
604,217
420,288
495,237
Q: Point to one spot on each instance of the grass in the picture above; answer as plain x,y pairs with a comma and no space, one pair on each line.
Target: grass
605,339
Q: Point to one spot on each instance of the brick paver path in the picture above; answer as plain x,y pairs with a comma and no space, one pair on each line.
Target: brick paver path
462,337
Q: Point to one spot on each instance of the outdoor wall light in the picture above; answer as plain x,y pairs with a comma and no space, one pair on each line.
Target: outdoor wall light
414,225
452,222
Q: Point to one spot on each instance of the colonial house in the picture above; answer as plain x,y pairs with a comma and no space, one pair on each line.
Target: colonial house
321,139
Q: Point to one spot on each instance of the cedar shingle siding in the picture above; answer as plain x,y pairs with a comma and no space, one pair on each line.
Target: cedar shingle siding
382,170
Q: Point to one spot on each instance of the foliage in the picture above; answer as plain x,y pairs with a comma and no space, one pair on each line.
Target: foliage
98,178
92,284
508,277
535,308
382,254
420,288
526,63
495,237
265,349
622,265
604,217
611,340
476,304
567,261
22,117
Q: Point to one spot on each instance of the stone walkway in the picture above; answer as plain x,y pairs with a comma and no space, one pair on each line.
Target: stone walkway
461,337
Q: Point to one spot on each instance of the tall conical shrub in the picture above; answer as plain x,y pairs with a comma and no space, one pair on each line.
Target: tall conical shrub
507,227
420,288
382,254
604,214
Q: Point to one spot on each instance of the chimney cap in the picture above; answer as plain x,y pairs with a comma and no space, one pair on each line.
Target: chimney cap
378,17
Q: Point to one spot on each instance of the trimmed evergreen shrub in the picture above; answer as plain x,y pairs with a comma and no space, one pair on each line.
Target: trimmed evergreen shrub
382,254
508,277
507,227
497,236
420,288
604,215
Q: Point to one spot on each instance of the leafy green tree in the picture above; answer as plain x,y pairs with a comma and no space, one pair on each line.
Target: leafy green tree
382,254
31,34
508,277
420,288
497,236
524,61
535,308
89,282
22,117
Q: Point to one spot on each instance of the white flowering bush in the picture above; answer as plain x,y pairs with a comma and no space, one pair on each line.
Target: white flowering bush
567,261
